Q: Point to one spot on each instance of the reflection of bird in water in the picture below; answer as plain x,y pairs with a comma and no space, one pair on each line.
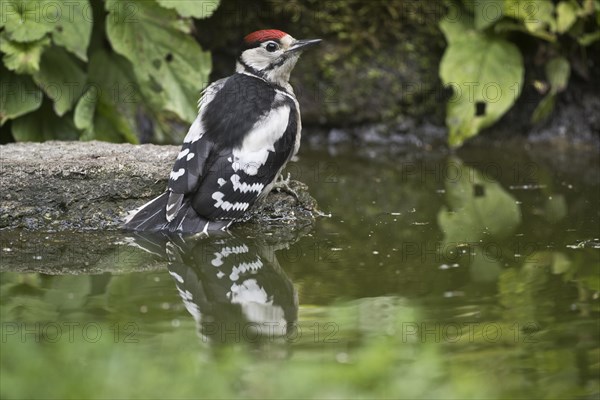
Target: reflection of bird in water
234,288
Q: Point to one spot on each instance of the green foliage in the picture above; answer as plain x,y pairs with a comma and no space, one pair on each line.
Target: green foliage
484,71
558,71
22,20
61,79
23,58
97,66
377,64
480,56
479,207
43,125
74,31
91,341
196,8
168,74
18,96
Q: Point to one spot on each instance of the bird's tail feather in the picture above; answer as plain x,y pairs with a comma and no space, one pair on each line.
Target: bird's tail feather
152,217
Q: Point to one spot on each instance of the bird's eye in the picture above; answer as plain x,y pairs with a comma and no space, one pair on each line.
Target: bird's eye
272,46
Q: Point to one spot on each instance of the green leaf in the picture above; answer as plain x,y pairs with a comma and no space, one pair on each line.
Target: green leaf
538,16
196,9
508,25
589,7
68,292
555,208
546,261
61,79
107,124
113,75
73,29
118,99
560,263
27,20
455,31
589,38
558,71
479,207
469,6
18,95
27,308
85,110
544,109
486,74
588,272
487,12
484,267
69,21
109,115
43,124
23,58
566,15
172,74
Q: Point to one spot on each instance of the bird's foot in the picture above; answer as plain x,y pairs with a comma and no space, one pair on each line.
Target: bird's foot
283,185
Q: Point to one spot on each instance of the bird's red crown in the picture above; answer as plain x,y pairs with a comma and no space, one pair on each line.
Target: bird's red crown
264,35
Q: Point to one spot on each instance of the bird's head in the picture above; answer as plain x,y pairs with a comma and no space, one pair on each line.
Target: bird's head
271,54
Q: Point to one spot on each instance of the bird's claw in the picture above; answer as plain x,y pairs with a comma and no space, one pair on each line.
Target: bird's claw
283,184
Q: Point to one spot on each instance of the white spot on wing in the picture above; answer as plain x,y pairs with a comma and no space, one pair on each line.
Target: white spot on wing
225,205
182,153
188,302
242,268
177,174
218,260
243,187
226,252
221,181
190,156
177,277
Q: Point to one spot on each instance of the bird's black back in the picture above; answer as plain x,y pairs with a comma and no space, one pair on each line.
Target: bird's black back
236,108
204,188
232,114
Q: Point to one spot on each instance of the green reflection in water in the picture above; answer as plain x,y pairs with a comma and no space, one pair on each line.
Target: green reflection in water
436,277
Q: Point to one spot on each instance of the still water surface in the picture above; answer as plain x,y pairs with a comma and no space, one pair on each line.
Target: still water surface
469,275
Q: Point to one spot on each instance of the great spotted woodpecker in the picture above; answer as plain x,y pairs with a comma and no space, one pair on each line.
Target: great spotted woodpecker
248,127
234,288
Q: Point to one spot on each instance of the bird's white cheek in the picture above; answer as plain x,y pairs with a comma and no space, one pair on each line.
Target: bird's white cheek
256,60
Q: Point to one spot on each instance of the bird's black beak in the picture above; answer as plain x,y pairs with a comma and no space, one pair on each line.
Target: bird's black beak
300,45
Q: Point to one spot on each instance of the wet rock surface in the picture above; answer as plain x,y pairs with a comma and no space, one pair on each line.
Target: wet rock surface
87,186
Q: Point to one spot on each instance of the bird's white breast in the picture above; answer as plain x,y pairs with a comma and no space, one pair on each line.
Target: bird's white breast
257,144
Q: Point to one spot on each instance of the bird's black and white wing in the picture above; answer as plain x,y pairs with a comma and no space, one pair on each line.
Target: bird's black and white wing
170,210
193,157
243,136
251,144
229,283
